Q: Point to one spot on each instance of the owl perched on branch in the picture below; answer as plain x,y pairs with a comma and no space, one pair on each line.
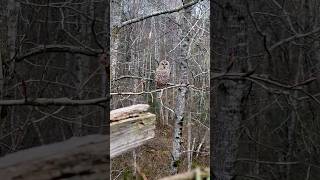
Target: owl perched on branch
162,76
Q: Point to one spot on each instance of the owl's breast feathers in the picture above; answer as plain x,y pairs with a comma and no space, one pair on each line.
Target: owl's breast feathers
162,78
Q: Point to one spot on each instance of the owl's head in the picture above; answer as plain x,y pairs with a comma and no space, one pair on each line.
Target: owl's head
164,64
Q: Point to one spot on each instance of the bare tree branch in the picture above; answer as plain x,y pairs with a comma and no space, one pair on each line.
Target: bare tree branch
131,21
57,48
278,162
53,101
265,80
254,78
294,37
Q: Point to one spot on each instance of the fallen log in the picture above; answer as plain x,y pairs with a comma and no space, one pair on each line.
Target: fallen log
84,157
77,158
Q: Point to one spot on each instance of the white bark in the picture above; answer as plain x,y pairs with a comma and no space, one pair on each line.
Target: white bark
189,142
182,91
116,10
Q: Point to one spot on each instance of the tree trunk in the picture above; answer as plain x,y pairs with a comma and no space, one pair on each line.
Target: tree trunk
82,71
12,23
182,91
105,77
229,96
116,10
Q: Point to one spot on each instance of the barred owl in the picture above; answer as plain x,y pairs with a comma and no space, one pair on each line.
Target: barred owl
162,74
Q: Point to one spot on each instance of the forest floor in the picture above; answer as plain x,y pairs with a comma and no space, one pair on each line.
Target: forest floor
153,158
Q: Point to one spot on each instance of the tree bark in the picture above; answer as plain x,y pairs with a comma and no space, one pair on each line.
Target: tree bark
182,91
229,95
116,10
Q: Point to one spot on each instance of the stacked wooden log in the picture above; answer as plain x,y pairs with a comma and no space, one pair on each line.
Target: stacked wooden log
130,127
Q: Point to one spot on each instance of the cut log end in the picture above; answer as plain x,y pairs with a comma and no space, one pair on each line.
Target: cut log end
127,112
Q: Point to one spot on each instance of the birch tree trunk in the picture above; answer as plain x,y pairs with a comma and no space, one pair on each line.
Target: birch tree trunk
182,91
116,9
115,45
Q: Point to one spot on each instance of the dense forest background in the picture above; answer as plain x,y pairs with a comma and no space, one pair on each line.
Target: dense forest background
182,38
265,88
264,85
52,84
